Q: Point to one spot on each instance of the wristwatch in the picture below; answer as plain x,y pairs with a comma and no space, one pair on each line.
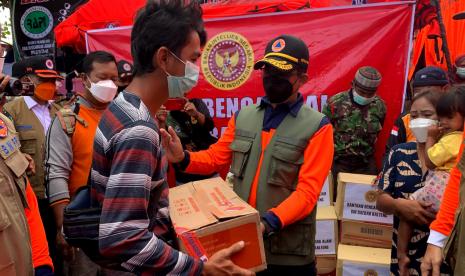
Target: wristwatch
268,230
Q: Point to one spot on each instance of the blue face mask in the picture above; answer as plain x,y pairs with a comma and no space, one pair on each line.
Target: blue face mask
178,86
360,99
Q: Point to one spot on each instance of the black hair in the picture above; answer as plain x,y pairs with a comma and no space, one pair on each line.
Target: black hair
164,23
430,96
451,102
97,56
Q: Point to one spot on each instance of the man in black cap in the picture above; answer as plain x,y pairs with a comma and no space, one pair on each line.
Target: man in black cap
357,116
279,152
459,66
125,74
459,16
430,78
32,116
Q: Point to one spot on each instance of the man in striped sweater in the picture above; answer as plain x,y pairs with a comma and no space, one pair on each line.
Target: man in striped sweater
128,172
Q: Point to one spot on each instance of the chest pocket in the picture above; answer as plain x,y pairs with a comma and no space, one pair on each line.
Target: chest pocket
28,141
287,157
374,125
4,220
241,147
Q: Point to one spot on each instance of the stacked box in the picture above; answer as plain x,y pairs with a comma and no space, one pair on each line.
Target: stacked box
359,261
326,231
326,195
326,240
361,223
326,265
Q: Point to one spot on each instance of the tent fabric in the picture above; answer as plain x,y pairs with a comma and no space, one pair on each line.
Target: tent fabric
99,14
455,32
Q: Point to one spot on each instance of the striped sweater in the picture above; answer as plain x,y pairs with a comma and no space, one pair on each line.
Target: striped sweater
128,181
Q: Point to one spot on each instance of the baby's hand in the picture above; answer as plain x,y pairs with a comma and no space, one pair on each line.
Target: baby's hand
435,132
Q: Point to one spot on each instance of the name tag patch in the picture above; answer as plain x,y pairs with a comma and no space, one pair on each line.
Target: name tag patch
9,146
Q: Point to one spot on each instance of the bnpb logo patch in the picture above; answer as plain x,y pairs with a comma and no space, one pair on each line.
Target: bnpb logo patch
227,61
278,45
49,64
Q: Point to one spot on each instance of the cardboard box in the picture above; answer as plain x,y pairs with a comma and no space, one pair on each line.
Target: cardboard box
366,234
326,194
356,199
326,265
326,231
208,216
363,261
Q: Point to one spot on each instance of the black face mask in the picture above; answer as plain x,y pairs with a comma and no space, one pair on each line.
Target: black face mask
277,89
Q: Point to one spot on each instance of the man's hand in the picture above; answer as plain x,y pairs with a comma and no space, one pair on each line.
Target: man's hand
66,250
31,168
172,145
220,263
415,212
432,261
4,79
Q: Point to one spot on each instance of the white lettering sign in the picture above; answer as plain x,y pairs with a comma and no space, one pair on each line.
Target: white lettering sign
357,269
325,199
360,204
325,241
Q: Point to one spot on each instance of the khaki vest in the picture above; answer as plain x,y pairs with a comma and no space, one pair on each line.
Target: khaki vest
293,245
15,246
32,138
455,246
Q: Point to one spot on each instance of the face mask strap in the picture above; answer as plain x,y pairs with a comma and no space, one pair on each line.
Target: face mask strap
174,55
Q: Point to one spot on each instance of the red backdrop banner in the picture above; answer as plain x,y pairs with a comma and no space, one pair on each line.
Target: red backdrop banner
340,40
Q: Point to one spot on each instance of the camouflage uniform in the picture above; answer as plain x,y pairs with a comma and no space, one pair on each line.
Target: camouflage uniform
356,129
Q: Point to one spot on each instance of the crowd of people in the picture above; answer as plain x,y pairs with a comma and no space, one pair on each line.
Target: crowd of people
122,137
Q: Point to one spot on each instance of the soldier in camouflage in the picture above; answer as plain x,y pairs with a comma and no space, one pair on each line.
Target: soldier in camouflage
357,116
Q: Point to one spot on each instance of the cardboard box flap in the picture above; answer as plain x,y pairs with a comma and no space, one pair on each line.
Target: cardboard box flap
326,213
364,254
220,200
356,178
185,211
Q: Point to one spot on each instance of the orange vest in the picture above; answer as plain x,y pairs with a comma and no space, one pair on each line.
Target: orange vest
408,132
82,142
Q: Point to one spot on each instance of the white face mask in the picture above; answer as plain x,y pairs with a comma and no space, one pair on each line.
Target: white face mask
103,91
179,86
420,127
461,72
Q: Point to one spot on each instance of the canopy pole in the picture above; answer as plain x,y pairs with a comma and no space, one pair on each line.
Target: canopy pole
445,47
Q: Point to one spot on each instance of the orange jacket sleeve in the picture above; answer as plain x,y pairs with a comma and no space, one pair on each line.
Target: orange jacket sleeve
450,202
215,158
318,158
40,253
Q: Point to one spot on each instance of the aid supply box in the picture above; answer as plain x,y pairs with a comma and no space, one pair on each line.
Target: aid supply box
326,231
326,265
356,199
358,261
208,216
366,234
326,194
